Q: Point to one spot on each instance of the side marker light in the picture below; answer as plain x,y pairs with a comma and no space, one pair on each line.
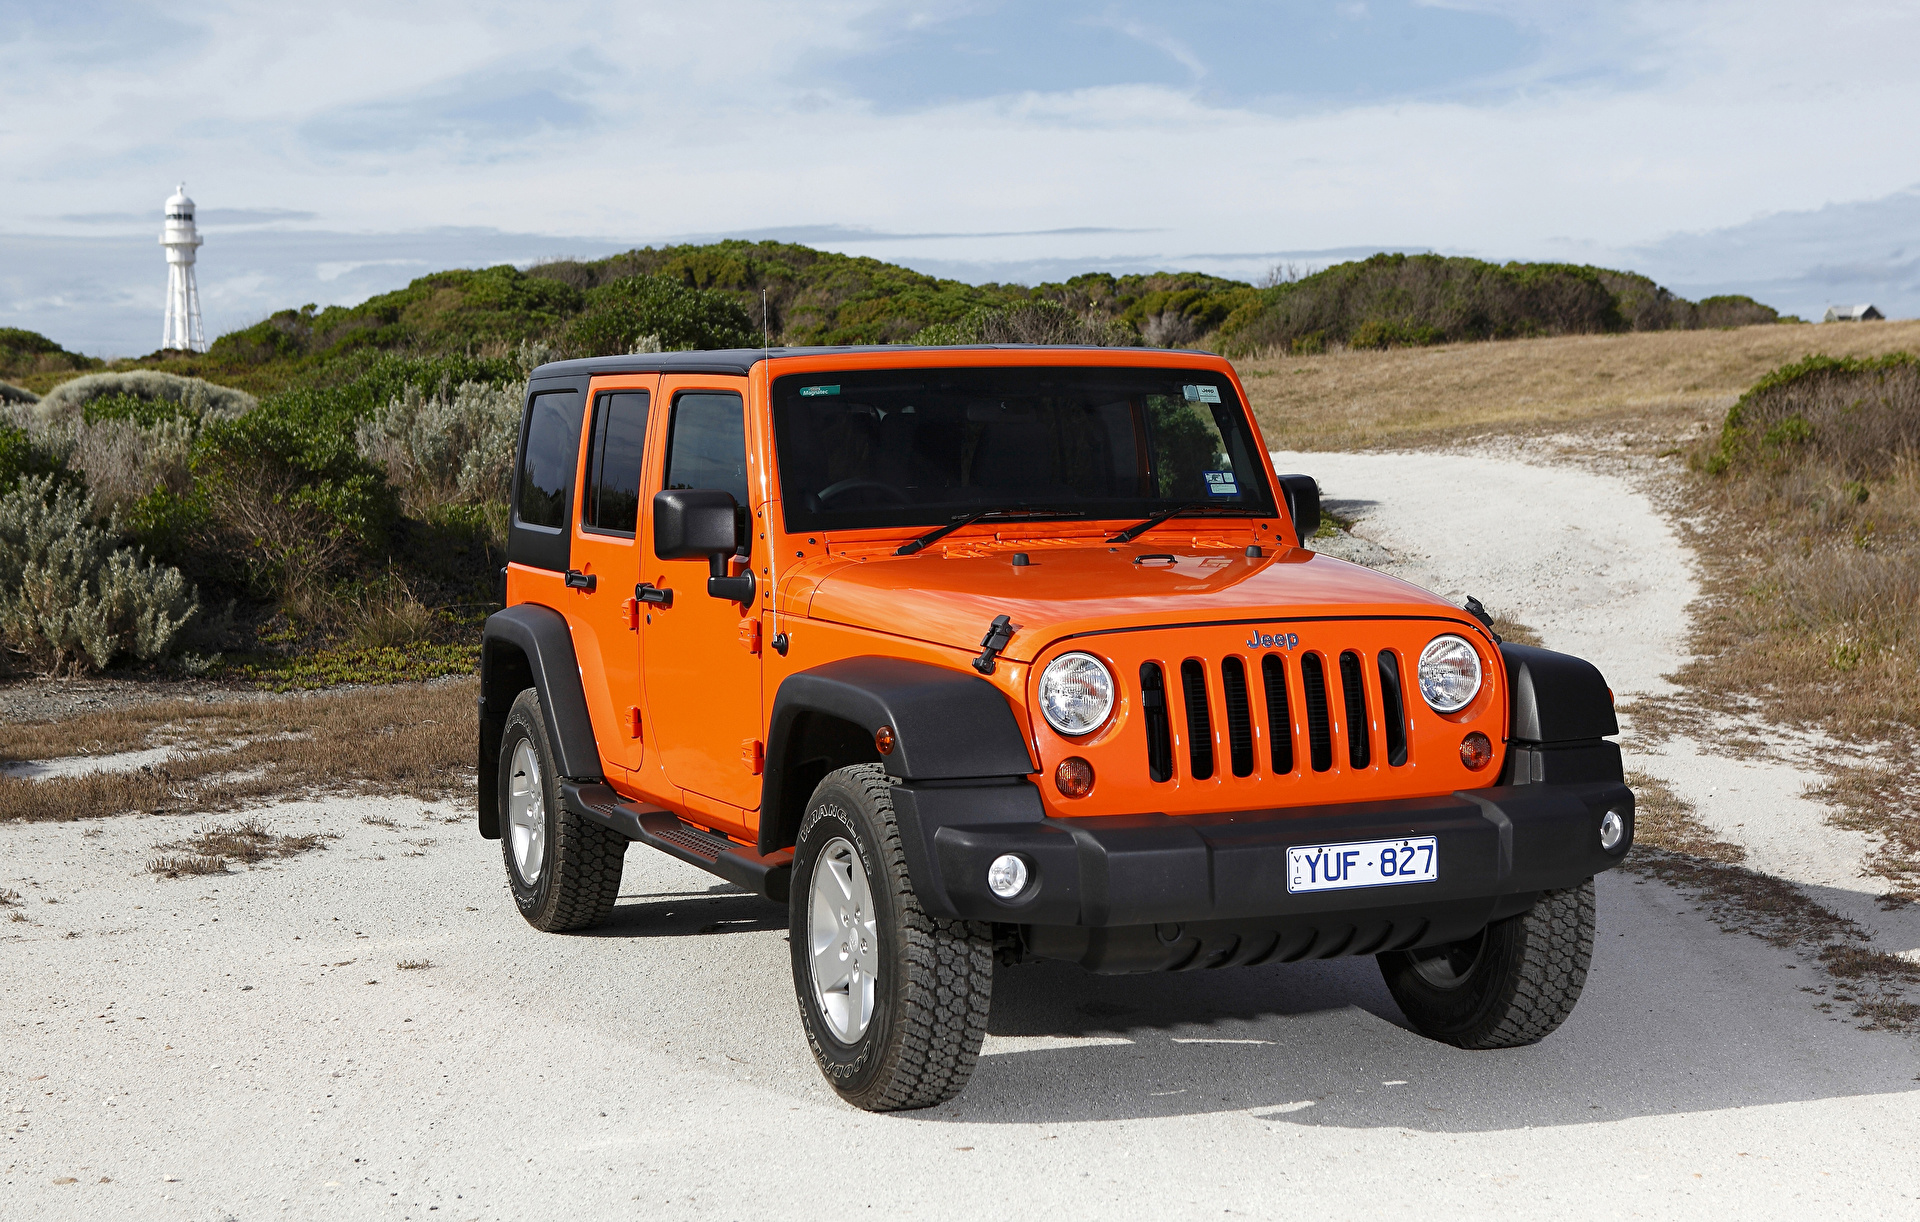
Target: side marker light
1074,777
883,740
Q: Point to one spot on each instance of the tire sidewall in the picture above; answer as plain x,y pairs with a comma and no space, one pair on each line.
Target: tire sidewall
525,724
1470,1005
839,811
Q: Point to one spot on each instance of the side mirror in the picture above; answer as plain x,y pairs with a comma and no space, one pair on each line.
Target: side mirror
1303,504
690,523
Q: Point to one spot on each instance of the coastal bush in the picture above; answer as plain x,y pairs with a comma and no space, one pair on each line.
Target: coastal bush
1032,322
445,447
72,598
654,313
1861,417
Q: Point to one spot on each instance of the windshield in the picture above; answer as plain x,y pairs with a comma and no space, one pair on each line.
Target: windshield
918,447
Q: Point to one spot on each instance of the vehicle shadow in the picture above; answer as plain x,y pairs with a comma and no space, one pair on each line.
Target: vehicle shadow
721,908
1676,1017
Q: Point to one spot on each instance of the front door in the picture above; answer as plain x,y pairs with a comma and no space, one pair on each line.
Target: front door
606,564
702,672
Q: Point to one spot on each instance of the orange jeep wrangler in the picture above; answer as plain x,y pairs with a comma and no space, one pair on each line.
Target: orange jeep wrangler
998,654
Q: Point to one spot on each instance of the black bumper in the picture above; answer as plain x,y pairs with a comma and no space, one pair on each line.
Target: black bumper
1497,849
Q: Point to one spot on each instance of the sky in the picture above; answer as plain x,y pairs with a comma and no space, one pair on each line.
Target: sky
337,151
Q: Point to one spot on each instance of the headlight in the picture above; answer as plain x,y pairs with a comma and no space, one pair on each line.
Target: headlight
1076,694
1449,674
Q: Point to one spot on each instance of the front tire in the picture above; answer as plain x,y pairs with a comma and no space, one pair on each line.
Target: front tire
1507,986
565,871
894,1002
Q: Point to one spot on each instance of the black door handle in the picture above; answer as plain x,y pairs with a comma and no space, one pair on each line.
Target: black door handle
647,592
576,580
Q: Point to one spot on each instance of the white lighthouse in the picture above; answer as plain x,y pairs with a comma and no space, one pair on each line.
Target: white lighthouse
183,294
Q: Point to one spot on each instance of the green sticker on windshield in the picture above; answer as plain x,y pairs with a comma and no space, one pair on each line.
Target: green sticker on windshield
806,391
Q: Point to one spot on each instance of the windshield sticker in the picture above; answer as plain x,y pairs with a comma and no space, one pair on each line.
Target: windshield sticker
1221,483
1192,393
1209,394
806,391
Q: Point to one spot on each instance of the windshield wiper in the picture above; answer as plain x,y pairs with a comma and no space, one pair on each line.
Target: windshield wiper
967,519
1135,531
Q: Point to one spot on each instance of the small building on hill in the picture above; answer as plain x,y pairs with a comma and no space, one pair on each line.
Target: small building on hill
1852,313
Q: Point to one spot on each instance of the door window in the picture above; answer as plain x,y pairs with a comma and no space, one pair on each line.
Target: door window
612,501
546,460
709,444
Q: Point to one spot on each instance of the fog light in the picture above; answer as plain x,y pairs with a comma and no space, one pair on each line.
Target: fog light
1074,777
1613,829
1476,752
1007,876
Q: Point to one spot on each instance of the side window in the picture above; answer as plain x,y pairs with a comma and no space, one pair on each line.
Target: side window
547,456
708,448
612,501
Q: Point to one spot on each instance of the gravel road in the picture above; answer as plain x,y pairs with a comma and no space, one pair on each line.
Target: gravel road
246,1046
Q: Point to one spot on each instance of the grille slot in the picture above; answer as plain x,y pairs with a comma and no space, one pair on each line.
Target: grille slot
1393,709
1233,681
1353,687
1193,680
1153,706
1273,673
1313,683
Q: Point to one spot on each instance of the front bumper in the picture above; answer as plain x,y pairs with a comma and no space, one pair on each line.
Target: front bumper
1147,874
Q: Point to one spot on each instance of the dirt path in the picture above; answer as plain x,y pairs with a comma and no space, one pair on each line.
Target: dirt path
247,1046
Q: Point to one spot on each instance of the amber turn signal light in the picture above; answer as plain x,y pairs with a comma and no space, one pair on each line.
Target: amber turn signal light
883,740
1476,751
1074,777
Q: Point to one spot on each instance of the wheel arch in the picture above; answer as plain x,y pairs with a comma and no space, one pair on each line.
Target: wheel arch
530,646
947,725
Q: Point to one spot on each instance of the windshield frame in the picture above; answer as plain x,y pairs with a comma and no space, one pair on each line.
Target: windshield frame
1258,498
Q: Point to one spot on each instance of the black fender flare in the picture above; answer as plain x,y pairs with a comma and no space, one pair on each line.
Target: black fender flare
530,646
947,725
1561,713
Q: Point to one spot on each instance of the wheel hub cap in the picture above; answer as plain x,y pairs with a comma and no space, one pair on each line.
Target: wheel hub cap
843,944
527,813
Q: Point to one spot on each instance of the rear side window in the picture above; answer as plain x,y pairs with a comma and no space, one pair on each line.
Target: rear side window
612,501
709,444
547,457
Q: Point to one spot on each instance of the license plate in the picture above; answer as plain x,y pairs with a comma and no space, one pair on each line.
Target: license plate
1364,863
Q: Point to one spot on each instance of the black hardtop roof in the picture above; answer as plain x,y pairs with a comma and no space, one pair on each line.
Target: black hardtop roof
740,361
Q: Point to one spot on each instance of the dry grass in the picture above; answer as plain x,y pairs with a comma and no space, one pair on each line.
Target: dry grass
9,899
413,965
415,740
1669,381
213,848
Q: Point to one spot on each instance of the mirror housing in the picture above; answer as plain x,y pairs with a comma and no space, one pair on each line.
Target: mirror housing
1303,504
702,523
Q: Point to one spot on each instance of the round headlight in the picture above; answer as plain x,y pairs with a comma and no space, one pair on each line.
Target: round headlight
1449,674
1076,694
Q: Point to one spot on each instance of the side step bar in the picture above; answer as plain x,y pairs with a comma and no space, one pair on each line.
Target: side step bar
663,830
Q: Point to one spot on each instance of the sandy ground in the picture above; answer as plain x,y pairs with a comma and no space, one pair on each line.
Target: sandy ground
246,1046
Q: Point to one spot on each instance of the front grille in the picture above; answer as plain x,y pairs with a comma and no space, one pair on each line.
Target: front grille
1313,677
1244,724
1193,680
1233,678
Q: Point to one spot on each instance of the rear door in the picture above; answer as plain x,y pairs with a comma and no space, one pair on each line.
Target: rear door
703,665
606,563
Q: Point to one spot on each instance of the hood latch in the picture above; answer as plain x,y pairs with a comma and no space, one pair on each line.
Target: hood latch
998,634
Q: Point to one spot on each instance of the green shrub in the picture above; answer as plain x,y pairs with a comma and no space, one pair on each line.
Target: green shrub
1859,415
664,314
10,394
1032,322
70,597
144,395
29,352
445,447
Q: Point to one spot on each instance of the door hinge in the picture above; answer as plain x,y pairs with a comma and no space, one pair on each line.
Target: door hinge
750,635
633,613
633,722
753,753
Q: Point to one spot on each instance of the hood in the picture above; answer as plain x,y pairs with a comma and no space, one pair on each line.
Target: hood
950,600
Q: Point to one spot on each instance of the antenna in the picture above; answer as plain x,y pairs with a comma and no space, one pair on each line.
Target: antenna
766,328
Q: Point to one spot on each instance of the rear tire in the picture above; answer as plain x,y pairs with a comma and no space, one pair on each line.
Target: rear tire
565,871
1509,985
894,1002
